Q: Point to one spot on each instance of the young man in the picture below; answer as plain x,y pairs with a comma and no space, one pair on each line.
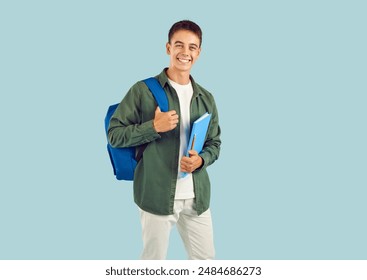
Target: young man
165,197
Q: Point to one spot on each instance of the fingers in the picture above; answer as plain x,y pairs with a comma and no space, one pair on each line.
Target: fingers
190,164
165,121
172,118
170,113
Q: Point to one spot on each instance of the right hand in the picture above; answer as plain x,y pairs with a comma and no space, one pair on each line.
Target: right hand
164,122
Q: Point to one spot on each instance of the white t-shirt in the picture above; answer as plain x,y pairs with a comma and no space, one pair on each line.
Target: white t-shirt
185,184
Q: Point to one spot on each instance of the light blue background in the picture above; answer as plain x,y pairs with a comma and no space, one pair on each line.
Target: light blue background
289,78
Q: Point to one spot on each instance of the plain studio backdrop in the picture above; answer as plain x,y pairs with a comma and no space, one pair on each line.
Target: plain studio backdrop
289,79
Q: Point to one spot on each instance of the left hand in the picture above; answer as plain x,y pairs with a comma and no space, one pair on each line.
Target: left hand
191,163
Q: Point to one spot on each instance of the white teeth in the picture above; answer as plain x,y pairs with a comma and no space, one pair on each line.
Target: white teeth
184,60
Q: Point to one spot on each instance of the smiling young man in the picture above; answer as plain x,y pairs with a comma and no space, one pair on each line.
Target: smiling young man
165,196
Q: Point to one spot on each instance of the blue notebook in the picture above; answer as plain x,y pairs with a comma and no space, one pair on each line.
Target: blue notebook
198,133
197,136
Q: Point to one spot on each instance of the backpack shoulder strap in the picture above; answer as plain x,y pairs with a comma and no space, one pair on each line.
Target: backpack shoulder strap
161,97
158,93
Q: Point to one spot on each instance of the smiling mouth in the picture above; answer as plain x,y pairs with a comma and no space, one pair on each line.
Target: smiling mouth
184,60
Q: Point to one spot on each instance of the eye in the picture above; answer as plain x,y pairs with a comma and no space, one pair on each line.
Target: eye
192,48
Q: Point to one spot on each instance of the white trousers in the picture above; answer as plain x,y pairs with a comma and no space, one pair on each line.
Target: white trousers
196,232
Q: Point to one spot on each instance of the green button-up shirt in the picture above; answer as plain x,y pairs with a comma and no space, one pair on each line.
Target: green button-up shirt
156,173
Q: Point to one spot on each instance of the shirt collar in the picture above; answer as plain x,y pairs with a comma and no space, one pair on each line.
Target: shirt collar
163,80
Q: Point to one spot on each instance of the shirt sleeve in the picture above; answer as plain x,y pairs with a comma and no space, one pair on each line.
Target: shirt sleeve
211,149
126,128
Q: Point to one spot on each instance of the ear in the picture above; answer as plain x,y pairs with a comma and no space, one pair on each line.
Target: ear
168,48
199,51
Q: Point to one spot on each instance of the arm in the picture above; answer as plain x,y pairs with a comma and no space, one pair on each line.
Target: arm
211,149
128,127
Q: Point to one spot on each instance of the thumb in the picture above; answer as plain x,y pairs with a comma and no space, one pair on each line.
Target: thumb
158,110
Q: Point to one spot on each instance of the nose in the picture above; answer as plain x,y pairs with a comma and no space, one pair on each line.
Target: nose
186,51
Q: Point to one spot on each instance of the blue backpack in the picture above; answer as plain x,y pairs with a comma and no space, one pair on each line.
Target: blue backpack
123,160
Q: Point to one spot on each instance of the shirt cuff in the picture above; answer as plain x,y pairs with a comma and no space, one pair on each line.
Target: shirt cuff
149,132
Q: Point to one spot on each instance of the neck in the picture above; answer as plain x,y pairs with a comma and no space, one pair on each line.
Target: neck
180,77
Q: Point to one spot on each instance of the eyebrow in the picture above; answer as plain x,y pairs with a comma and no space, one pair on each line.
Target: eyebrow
192,44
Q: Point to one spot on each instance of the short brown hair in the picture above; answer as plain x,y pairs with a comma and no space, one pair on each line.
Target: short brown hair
185,25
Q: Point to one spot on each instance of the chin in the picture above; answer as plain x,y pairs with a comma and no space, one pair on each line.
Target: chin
184,67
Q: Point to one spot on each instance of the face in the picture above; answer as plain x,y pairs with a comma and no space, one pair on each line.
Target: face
184,50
